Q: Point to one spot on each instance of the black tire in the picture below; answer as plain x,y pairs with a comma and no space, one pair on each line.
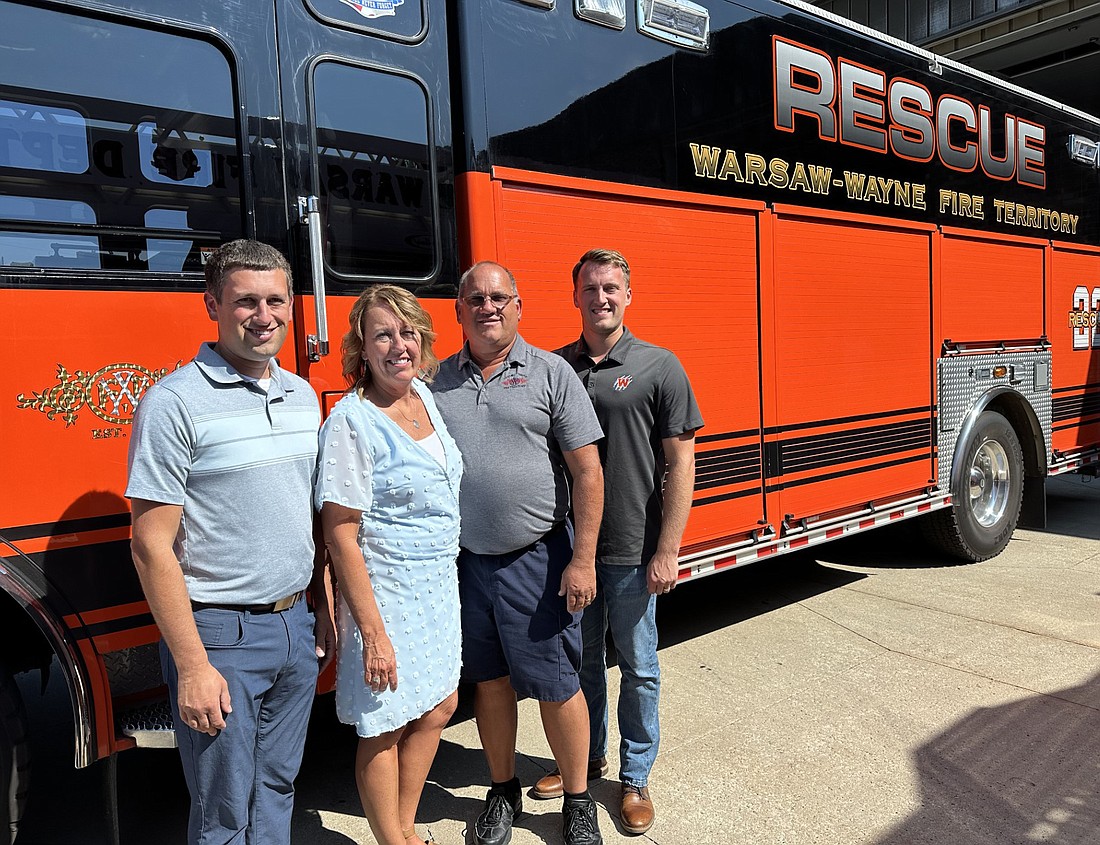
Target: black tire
985,495
14,756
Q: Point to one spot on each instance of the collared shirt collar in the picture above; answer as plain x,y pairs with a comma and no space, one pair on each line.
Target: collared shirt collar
216,368
617,354
517,355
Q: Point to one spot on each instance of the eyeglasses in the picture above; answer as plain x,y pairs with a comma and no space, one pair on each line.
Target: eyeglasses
498,300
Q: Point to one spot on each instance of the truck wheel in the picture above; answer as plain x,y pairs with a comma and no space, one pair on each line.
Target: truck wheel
14,759
986,494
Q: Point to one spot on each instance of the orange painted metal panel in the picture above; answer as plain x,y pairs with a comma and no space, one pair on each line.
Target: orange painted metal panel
623,191
852,322
990,289
852,319
694,278
128,638
84,358
60,540
1075,337
477,228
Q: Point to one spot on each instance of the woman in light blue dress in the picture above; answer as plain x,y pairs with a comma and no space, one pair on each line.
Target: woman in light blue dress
387,490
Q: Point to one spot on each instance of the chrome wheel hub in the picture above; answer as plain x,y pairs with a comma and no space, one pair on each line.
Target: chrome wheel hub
989,483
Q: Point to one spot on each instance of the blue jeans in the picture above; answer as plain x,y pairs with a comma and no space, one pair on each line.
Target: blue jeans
242,780
625,605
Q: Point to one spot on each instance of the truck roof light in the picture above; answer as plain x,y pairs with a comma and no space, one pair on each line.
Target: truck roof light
678,22
610,13
1084,150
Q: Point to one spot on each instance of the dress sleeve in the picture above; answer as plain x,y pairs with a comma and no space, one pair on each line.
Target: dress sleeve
346,472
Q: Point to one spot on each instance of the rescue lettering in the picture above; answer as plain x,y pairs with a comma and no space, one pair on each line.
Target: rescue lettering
859,106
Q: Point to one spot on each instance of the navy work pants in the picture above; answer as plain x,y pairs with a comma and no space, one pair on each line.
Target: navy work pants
242,780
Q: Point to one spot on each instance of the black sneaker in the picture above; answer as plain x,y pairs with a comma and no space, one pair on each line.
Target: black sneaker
579,825
494,825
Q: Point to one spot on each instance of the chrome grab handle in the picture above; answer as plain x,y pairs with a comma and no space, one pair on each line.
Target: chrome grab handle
309,214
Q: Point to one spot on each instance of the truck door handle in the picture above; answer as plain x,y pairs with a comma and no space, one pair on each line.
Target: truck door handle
309,214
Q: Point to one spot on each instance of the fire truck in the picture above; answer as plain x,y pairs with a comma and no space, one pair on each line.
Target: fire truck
881,269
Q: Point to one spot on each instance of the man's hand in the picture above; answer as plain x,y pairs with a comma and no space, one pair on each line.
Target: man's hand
661,573
324,637
203,699
320,585
578,585
679,484
578,581
202,694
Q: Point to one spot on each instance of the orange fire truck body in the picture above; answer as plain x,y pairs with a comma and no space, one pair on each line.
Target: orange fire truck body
880,270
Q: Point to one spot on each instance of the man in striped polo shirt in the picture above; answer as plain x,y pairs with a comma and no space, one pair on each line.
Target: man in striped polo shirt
222,462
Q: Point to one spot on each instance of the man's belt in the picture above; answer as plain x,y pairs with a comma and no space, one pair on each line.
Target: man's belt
274,607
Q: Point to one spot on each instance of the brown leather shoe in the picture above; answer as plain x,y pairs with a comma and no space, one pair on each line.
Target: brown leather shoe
637,810
550,786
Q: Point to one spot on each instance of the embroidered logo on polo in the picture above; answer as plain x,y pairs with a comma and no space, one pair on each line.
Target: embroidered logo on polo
514,381
623,382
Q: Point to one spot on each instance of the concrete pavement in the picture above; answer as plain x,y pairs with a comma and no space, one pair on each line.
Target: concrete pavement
863,693
868,693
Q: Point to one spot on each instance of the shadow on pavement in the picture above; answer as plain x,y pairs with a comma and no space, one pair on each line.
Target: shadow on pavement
900,545
1072,501
1020,773
717,601
692,610
66,804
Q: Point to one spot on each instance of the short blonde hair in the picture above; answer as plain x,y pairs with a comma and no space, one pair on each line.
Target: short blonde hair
602,258
407,308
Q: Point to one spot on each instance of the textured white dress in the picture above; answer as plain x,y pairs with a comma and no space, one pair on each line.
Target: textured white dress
409,538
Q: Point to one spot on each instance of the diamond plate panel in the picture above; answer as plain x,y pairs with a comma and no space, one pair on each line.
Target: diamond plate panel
150,725
964,379
132,670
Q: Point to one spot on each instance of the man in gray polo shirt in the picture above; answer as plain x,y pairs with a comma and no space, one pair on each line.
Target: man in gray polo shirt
222,462
648,412
520,418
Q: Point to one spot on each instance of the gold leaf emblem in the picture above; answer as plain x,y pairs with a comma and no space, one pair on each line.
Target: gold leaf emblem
111,392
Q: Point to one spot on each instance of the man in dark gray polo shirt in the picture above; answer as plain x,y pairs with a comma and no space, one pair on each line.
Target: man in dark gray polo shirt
520,418
648,412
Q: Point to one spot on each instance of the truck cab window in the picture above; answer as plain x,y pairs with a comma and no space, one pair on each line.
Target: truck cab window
133,131
373,165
